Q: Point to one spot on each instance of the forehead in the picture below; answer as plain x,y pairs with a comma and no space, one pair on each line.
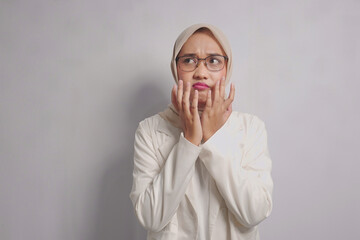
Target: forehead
202,42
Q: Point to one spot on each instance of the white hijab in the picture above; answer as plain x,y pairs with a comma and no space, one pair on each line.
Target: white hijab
170,114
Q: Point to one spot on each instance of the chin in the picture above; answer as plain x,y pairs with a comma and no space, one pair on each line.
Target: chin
203,95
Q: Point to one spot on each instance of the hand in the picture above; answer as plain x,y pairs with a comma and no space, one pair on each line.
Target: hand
218,110
189,115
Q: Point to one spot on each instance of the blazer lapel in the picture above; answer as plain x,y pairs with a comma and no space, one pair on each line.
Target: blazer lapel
172,133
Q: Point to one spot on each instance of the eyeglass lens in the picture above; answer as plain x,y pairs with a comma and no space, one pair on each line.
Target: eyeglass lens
213,63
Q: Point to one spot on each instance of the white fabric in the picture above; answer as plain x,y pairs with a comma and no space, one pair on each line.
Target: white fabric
237,159
201,183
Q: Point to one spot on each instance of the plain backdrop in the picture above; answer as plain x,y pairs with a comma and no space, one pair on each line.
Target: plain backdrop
76,78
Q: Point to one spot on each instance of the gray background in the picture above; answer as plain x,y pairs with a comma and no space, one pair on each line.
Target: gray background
76,77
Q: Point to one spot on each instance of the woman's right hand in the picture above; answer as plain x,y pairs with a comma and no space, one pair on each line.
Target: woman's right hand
188,113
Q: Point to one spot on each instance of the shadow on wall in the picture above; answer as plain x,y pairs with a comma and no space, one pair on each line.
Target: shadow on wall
115,217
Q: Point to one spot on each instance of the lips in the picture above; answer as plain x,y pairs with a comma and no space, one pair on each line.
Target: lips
200,86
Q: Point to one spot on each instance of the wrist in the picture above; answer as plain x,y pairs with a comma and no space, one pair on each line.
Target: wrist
194,141
207,136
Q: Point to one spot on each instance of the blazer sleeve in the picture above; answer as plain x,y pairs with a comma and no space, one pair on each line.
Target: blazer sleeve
241,171
157,190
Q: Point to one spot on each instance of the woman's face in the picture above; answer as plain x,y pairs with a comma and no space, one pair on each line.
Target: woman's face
201,44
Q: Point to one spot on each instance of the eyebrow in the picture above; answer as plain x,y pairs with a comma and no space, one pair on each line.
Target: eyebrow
194,55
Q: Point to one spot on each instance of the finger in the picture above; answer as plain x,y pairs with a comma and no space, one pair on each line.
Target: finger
216,94
208,100
185,100
194,105
173,97
222,88
180,95
229,109
231,96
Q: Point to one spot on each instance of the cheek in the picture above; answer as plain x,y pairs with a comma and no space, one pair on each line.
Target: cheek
182,75
217,76
222,73
185,76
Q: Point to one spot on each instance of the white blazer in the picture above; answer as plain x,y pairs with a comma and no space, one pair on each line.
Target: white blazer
236,157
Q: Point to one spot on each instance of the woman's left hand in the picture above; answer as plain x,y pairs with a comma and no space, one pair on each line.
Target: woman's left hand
217,110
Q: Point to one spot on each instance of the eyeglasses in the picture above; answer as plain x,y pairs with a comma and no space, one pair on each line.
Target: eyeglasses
213,62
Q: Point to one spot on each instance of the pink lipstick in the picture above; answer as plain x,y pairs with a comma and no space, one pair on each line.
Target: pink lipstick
200,86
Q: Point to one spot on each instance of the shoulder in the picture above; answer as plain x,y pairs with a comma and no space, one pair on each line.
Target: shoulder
245,120
146,128
151,122
252,128
156,123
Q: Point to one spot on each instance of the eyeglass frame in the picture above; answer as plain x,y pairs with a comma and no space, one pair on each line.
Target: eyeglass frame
200,59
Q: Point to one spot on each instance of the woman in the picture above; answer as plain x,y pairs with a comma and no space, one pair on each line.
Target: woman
201,170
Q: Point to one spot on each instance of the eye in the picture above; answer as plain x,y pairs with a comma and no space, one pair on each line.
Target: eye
215,60
188,60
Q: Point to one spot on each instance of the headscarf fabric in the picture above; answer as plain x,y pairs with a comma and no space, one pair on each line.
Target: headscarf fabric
184,36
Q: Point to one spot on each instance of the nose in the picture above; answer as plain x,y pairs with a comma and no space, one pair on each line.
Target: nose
201,72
